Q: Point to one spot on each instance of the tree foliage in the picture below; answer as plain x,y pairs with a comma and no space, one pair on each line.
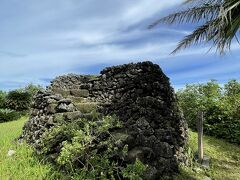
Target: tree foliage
32,89
8,115
2,99
17,100
219,19
221,106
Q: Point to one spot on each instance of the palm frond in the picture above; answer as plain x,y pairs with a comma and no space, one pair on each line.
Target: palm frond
201,2
201,34
220,18
229,25
192,15
227,31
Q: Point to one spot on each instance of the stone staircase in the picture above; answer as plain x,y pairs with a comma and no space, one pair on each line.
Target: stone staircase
84,105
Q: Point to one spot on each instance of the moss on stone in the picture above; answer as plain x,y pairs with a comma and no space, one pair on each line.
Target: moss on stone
76,99
86,107
51,108
79,92
72,115
58,117
64,93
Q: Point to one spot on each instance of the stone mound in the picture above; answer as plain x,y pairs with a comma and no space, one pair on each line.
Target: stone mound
139,94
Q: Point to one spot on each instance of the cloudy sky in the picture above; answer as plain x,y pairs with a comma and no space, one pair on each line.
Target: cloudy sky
41,39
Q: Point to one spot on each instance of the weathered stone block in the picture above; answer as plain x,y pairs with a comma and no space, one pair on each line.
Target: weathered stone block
76,99
65,101
86,107
79,92
62,92
51,108
62,107
72,115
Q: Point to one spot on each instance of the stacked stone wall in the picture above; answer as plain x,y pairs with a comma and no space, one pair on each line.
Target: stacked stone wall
139,94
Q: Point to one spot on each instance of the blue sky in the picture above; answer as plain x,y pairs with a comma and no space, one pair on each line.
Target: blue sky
47,38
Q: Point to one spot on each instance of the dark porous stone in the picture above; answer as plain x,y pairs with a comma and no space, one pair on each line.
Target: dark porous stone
65,101
139,94
62,107
56,97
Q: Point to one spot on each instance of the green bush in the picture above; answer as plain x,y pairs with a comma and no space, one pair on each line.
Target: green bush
88,150
18,100
221,106
8,115
2,99
32,89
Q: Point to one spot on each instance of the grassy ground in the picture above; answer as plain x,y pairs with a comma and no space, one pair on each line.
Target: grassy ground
22,165
225,158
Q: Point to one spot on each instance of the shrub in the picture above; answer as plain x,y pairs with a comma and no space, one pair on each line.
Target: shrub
2,99
18,100
88,150
32,89
220,105
8,115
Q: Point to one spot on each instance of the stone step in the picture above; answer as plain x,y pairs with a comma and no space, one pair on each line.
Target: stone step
64,93
71,116
67,116
76,99
86,107
79,92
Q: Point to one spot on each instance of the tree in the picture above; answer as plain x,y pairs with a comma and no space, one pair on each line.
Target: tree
220,21
2,99
232,88
18,100
33,89
197,97
221,107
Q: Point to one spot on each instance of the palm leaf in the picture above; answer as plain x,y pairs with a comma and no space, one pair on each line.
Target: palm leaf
201,34
193,15
200,2
220,18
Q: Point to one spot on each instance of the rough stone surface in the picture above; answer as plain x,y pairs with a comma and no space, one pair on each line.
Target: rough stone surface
139,94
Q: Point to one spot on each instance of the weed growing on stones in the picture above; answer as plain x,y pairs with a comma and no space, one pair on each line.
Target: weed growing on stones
90,150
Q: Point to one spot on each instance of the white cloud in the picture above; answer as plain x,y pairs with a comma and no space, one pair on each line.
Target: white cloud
42,39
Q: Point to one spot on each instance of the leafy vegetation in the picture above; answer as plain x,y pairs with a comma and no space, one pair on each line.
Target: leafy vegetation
32,89
17,102
219,18
88,150
8,115
2,99
224,164
221,107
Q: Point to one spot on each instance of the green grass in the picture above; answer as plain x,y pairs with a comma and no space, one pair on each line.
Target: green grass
225,158
22,165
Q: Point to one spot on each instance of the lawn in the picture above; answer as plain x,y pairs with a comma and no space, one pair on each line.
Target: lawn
225,158
22,165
